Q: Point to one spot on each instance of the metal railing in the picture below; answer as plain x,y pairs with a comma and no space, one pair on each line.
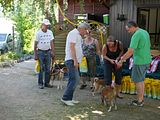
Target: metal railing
99,30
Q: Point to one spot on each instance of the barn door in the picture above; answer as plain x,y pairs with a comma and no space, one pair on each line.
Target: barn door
148,19
143,18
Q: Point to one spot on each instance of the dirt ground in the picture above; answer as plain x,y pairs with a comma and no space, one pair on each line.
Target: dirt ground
21,99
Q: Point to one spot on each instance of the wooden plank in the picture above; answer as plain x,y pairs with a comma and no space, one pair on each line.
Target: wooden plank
117,27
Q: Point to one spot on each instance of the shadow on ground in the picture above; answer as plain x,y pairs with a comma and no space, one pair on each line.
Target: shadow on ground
20,99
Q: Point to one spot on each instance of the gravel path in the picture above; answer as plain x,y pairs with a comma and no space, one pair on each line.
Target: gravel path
20,99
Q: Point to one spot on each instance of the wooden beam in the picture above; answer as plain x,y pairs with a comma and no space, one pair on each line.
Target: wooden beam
107,3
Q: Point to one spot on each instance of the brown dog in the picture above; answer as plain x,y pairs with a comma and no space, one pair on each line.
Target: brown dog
98,85
58,74
109,96
61,77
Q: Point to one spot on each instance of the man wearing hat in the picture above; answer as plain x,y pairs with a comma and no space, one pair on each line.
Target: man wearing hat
44,51
73,56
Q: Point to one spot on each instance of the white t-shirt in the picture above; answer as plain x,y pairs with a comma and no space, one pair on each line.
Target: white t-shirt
44,39
74,37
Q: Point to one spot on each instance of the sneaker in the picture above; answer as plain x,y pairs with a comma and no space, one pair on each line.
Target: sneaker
67,102
82,86
136,103
75,101
48,85
41,87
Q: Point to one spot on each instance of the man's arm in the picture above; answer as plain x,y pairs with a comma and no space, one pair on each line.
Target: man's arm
52,49
73,54
122,50
128,54
35,50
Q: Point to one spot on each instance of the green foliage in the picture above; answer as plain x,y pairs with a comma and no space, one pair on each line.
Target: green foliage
26,14
3,58
7,5
10,56
13,55
28,43
25,22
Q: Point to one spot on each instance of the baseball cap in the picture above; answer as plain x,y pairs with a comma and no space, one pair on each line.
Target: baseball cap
46,22
84,25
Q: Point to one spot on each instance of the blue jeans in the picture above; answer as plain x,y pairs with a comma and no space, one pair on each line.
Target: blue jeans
108,69
45,62
73,80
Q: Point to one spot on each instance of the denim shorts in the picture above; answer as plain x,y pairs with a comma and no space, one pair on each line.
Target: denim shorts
139,72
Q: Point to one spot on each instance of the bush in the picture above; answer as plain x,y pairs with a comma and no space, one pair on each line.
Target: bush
10,56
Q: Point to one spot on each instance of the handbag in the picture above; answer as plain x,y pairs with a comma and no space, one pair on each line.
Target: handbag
83,65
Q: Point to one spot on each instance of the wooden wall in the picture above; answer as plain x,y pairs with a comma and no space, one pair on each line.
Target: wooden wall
117,27
129,8
91,7
149,3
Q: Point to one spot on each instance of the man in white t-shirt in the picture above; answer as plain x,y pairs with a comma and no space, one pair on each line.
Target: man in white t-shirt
73,57
44,50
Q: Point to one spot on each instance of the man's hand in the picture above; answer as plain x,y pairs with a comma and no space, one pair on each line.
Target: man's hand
117,64
35,50
36,57
53,55
112,61
75,63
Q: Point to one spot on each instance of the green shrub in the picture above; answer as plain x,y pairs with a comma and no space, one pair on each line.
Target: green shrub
10,56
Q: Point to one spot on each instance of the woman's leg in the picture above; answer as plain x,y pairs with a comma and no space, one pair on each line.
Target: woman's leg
118,80
83,80
107,73
91,69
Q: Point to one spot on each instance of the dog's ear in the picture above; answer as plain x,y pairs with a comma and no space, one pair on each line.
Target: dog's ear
96,79
64,69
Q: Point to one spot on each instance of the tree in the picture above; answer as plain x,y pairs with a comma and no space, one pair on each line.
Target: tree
27,21
24,22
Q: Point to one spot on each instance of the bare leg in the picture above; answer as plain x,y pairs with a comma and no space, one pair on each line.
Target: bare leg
115,103
83,82
91,83
140,91
110,104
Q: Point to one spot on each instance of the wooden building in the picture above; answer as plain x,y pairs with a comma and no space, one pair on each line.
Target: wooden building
93,9
145,12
